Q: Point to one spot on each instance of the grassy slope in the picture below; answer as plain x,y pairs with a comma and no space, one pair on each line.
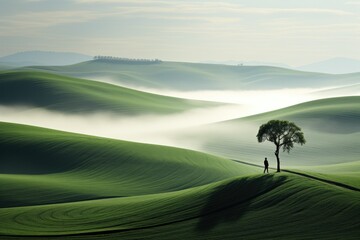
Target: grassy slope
265,207
56,92
353,89
195,76
347,173
337,115
153,192
4,66
63,166
330,127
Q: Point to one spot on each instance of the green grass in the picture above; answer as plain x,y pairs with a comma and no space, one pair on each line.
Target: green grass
67,94
274,206
331,128
63,185
331,115
84,167
196,76
339,91
347,173
75,186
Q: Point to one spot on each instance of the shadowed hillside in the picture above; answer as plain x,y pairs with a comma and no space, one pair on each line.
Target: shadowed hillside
56,166
67,94
97,188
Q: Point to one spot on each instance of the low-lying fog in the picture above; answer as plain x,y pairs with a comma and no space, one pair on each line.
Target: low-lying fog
256,101
158,129
166,129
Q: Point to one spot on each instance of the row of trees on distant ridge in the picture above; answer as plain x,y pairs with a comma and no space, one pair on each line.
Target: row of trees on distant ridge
125,60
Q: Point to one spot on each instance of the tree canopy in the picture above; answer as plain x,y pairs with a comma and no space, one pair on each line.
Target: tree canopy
283,134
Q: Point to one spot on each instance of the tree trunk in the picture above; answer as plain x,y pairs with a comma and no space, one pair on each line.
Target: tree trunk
277,158
278,163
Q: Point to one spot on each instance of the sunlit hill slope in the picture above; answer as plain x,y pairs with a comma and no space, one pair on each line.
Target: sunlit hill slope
331,127
82,187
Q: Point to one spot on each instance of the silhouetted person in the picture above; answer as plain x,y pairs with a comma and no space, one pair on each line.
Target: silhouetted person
266,164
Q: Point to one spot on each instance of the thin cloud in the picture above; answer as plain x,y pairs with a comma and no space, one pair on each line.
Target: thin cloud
119,1
289,27
186,30
294,10
353,3
209,7
28,23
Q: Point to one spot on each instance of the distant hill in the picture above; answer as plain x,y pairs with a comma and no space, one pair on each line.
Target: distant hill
249,63
44,58
5,67
353,89
196,76
337,115
333,66
67,94
331,127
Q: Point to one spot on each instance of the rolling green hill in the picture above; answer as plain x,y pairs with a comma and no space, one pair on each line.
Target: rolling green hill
67,94
5,67
347,173
353,89
71,186
339,115
196,76
82,167
331,127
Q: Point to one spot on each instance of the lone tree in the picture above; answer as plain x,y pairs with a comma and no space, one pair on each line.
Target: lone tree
283,134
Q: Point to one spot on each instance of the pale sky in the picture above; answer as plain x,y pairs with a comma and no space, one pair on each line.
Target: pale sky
293,32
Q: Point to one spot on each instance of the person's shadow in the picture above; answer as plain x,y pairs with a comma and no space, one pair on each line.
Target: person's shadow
230,201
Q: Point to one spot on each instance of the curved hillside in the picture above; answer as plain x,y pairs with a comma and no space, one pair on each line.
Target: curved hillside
70,186
282,206
67,94
331,128
63,166
197,76
353,89
346,173
4,67
340,115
